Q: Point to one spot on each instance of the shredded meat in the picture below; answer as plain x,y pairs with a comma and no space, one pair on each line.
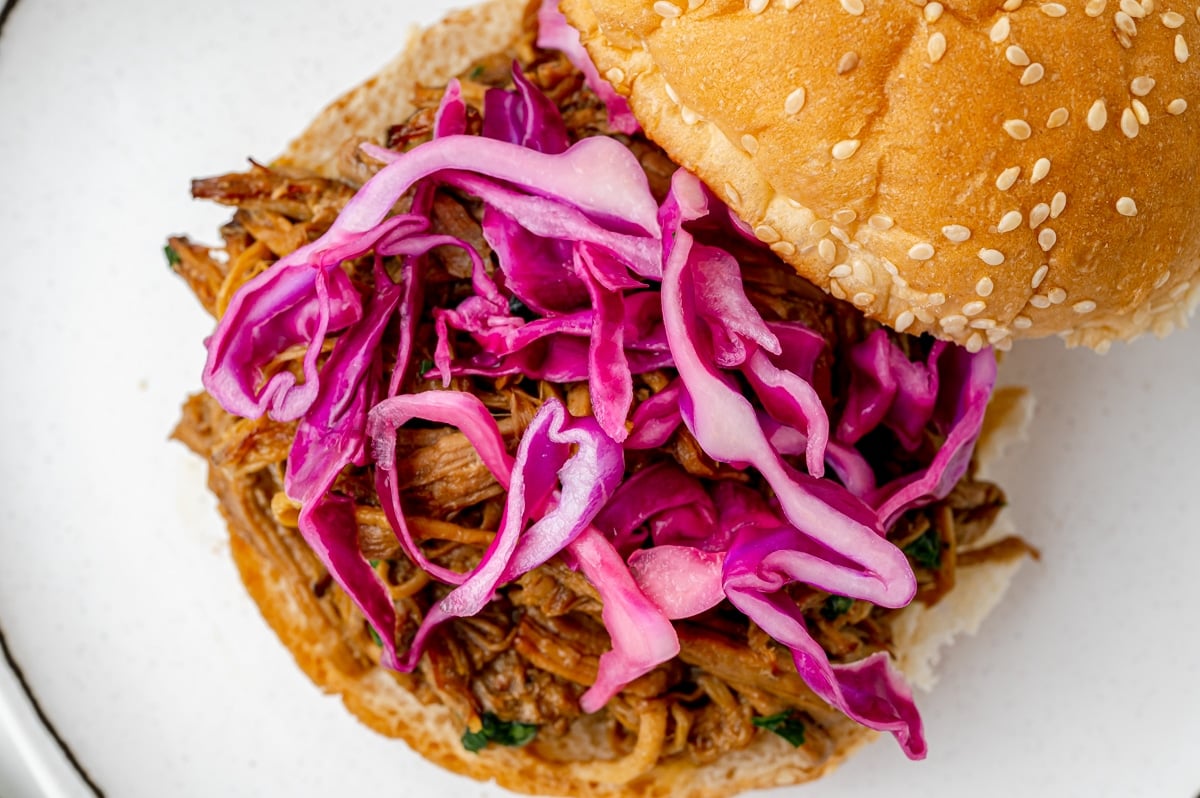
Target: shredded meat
531,654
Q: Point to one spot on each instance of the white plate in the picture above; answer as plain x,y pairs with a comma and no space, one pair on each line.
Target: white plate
116,589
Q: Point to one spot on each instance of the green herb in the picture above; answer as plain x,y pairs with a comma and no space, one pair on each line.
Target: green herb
783,724
173,258
835,606
374,563
500,732
926,550
476,73
375,636
424,367
520,309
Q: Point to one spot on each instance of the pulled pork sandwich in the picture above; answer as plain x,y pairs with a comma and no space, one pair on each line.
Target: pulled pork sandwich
540,456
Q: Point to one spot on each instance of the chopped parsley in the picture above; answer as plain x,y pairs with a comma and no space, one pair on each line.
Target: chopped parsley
476,73
424,367
835,606
375,636
926,550
520,309
500,732
784,724
173,258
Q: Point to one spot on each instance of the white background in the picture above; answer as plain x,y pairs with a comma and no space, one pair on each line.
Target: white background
116,591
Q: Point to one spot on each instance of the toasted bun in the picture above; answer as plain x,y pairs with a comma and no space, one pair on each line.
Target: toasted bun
881,146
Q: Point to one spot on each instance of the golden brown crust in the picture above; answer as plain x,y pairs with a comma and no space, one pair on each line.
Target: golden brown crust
892,127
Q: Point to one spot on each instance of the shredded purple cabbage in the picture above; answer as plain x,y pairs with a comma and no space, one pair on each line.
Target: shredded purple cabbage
594,281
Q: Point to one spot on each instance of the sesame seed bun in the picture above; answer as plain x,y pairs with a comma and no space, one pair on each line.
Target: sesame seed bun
981,171
270,556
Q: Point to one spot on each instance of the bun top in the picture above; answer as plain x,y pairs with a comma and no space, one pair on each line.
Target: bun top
981,170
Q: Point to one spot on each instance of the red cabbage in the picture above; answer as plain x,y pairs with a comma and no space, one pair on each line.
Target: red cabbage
653,491
642,637
555,34
681,580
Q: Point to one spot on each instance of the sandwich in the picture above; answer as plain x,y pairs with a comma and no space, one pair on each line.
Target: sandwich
565,439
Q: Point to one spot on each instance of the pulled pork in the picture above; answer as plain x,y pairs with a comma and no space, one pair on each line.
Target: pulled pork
531,653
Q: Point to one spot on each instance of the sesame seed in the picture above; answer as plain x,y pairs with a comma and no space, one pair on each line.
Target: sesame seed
784,249
974,343
788,5
1140,111
827,250
1011,5
936,47
1095,8
1180,290
732,194
1181,49
844,216
844,149
670,92
1141,85
665,9
1039,301
1057,296
1016,56
847,63
998,336
694,4
1172,20
1198,12
992,257
689,116
1038,214
766,233
1005,180
1097,116
1000,30
757,6
881,222
1129,123
1022,322
1058,117
1177,106
1041,168
863,273
862,299
1054,10
795,101
982,324
891,269
923,315
937,299
904,320
1009,222
1047,238
1125,23
1039,276
617,75
1086,306
836,290
1058,204
1127,207
1133,8
819,228
922,251
953,320
840,271
1032,74
933,12
853,7
1162,279
840,235
1019,129
985,286
750,144
956,233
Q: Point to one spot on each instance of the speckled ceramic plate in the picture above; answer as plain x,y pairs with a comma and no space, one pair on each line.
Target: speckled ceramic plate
117,595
